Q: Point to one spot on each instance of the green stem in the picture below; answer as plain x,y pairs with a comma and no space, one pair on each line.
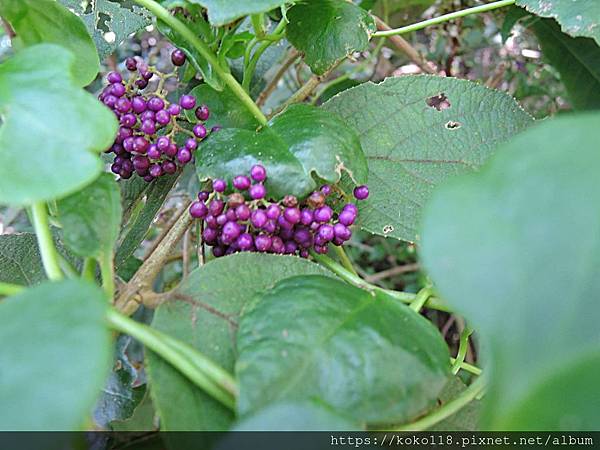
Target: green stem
468,367
258,24
255,57
344,259
453,406
67,267
202,48
88,271
444,18
45,242
194,365
462,349
404,297
8,289
107,270
421,298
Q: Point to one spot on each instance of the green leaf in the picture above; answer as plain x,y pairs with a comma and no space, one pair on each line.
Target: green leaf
148,202
221,12
206,318
109,22
55,355
365,355
296,416
577,18
226,110
576,59
516,249
467,418
416,132
91,218
142,418
47,21
20,260
48,124
327,31
300,142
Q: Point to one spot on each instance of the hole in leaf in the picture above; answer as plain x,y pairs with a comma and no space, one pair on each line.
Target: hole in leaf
387,229
440,102
451,125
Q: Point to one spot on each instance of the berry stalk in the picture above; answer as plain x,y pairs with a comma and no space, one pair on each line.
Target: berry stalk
48,251
200,46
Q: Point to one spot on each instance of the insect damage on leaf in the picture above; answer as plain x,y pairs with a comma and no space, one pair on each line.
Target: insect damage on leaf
440,102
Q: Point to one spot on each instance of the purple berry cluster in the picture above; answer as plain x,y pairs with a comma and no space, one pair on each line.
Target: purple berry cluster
246,220
150,126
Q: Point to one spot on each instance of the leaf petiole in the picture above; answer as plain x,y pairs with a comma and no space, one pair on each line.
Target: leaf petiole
48,251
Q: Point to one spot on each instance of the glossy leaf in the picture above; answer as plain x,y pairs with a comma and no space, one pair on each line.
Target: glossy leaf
206,318
91,218
416,132
47,21
301,142
576,17
47,118
109,22
515,248
221,12
327,31
367,356
576,59
226,110
300,416
55,356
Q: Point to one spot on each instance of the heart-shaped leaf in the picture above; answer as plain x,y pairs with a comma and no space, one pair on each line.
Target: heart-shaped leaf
576,17
47,21
52,130
516,248
54,357
365,355
327,31
206,316
91,218
416,132
301,142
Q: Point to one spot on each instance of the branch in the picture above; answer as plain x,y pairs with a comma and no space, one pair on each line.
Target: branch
139,289
45,242
403,45
262,98
398,270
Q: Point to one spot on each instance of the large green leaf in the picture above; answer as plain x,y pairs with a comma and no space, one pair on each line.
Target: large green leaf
54,357
47,21
109,22
466,418
327,31
91,218
296,416
20,260
516,248
221,12
416,132
576,17
50,126
300,142
365,355
576,59
206,318
226,110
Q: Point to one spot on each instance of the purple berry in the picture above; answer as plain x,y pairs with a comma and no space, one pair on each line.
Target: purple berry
162,143
273,211
326,232
257,191
218,251
210,235
347,217
222,219
211,221
110,101
325,189
140,145
302,235
153,152
131,64
140,163
216,207
114,77
277,245
123,105
262,242
258,218
361,192
128,144
156,104
163,117
115,168
128,120
350,207
148,127
216,128
202,113
323,214
292,215
187,102
118,90
242,212
231,230
174,109
127,166
147,115
258,173
290,247
322,249
169,167
203,196
155,170
342,231
142,84
171,150
245,241
184,156
199,131
139,105
198,210
284,224
148,178
306,216
219,185
178,57
270,226
241,182
191,144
